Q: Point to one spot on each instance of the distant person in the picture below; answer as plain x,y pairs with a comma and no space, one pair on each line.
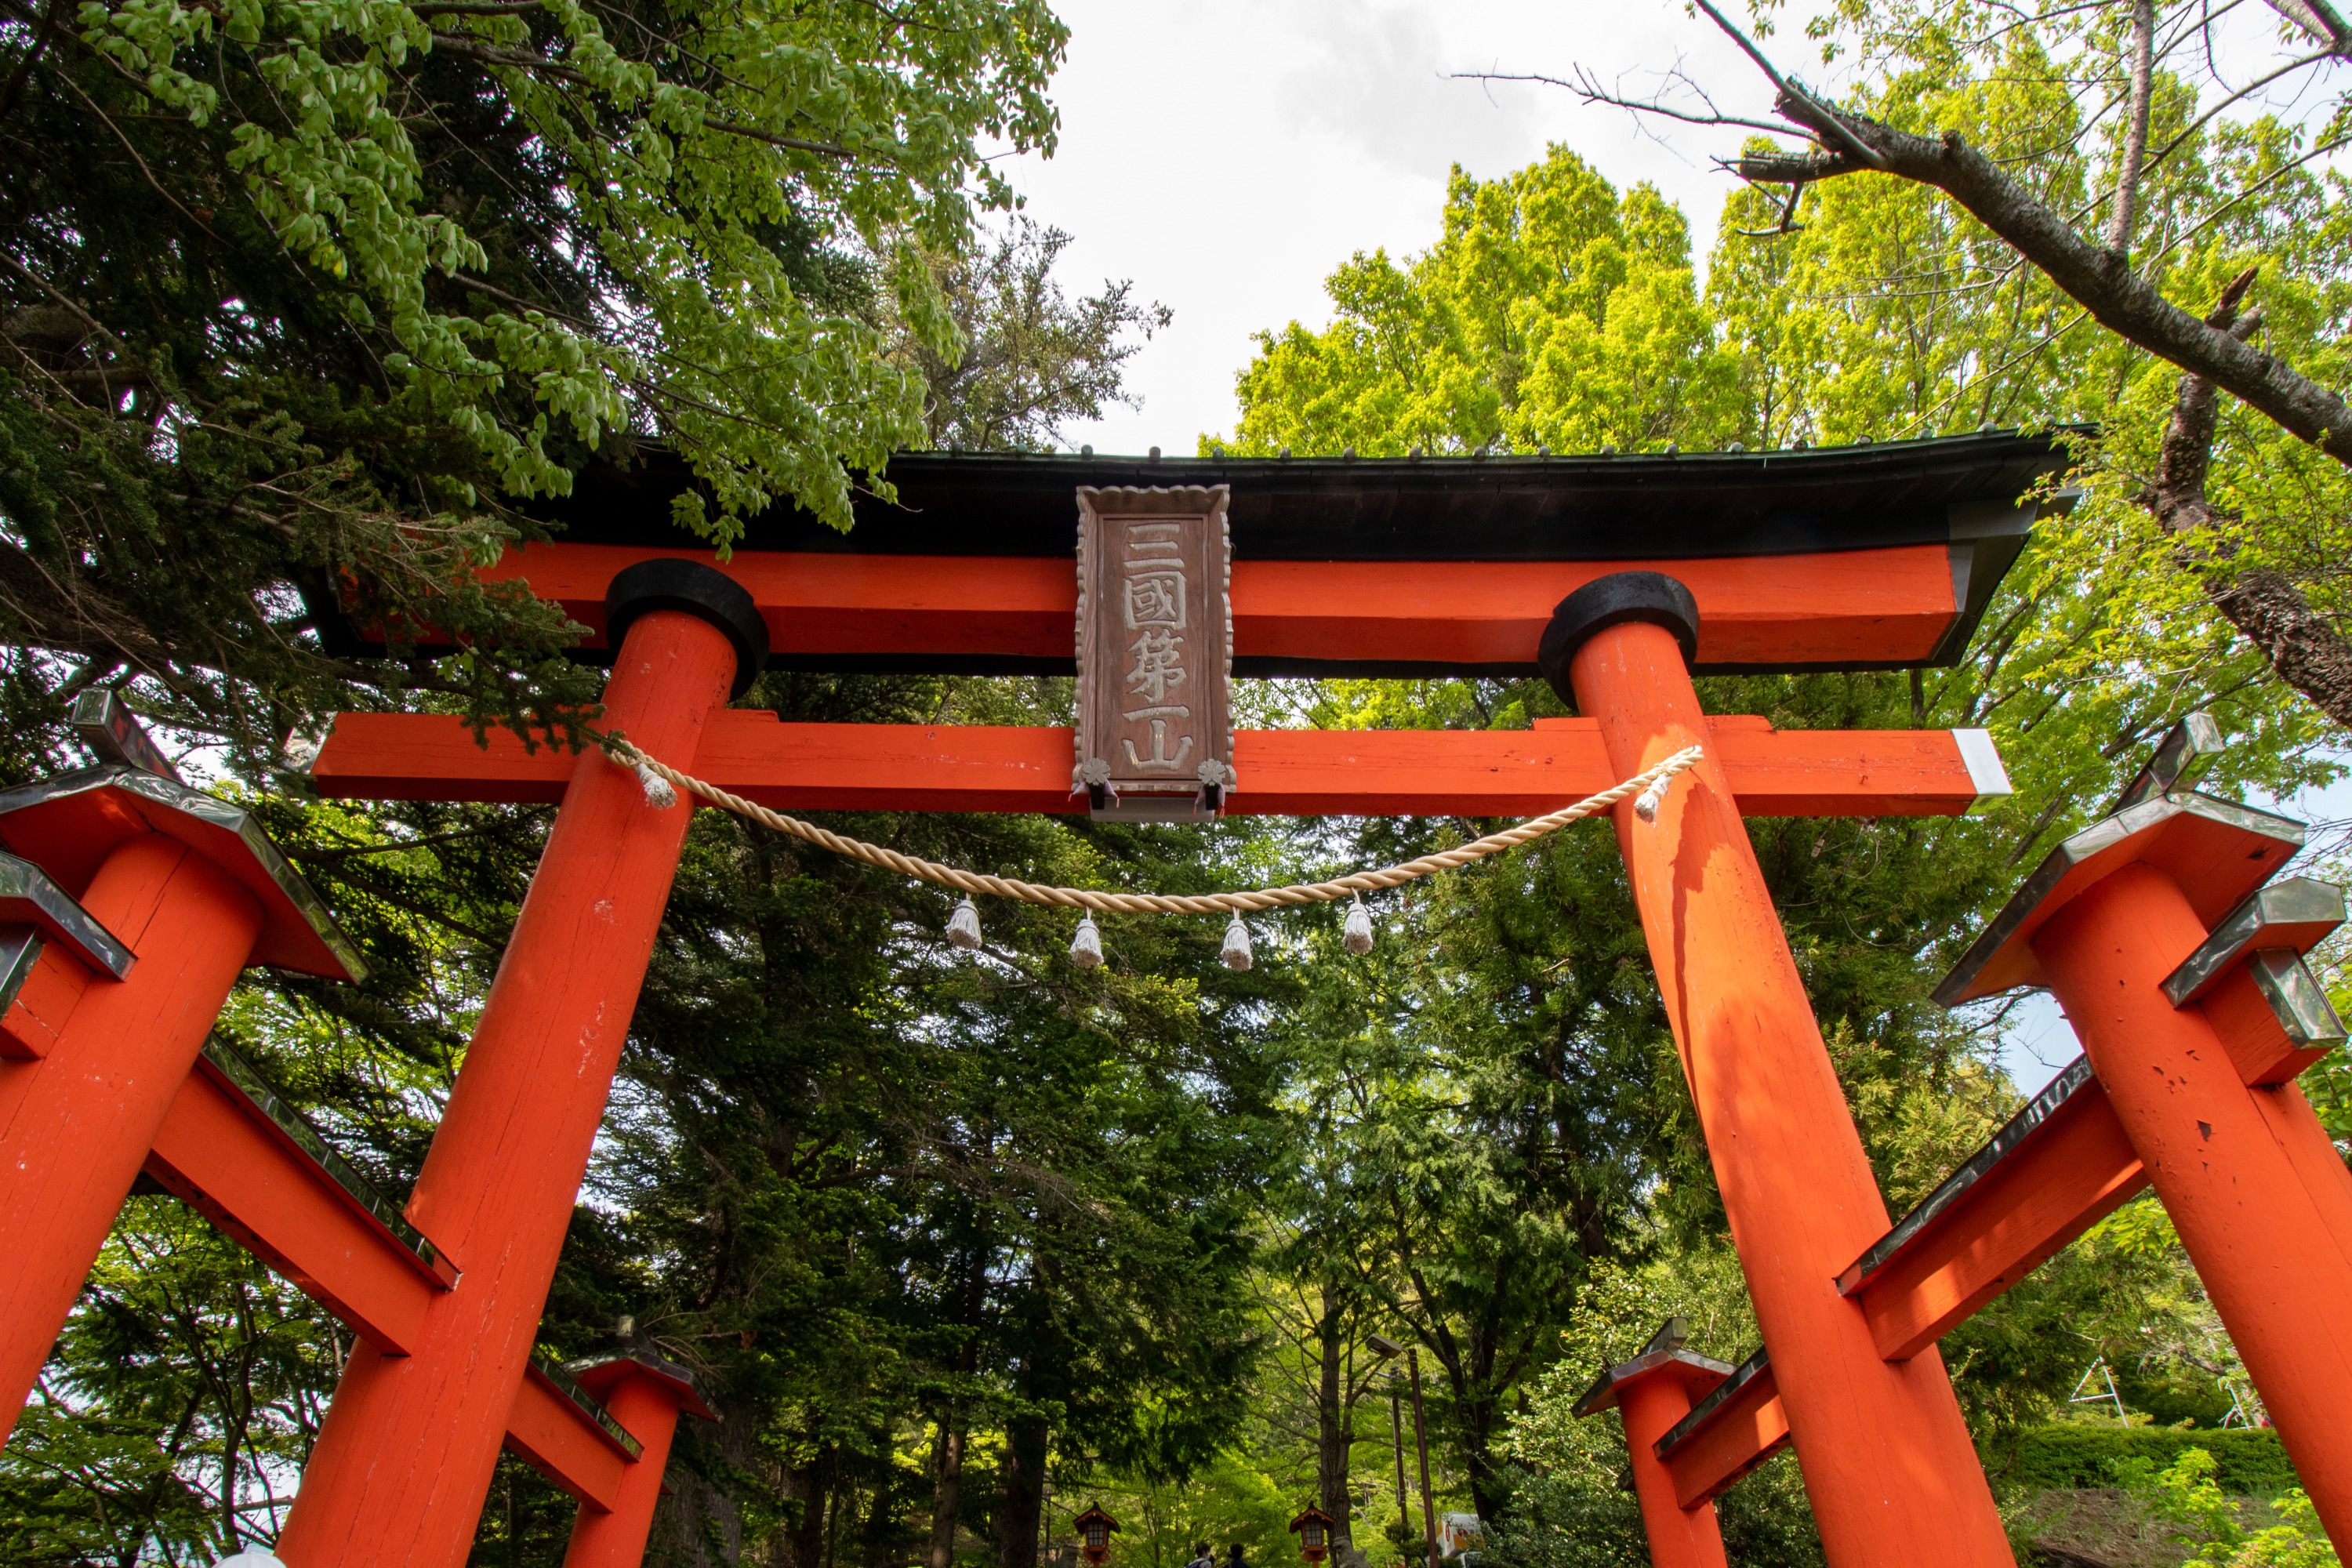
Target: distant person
1202,1557
1234,1558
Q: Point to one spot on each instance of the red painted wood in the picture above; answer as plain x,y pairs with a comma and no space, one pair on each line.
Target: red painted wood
216,1157
44,1002
2313,1153
1650,1404
1738,1436
554,1437
76,1125
1372,772
2077,1169
1841,606
2267,1246
1885,1453
241,1172
2249,1031
615,1536
410,1444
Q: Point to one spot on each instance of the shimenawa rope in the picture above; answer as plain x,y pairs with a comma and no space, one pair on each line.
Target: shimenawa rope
1651,785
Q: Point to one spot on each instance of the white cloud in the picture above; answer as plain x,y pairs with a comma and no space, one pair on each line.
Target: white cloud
1228,155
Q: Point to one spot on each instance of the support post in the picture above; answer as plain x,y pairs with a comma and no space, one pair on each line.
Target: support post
1883,1447
2260,1223
644,1396
1396,1433
76,1124
1421,1441
408,1449
1679,1537
1651,1394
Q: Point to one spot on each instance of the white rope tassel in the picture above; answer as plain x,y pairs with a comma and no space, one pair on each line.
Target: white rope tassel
963,926
1086,948
1236,952
658,793
1646,807
1358,936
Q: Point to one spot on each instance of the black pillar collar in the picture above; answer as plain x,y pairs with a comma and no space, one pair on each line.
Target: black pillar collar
703,592
1610,601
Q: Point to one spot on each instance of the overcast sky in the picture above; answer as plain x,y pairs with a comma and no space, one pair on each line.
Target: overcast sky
1227,156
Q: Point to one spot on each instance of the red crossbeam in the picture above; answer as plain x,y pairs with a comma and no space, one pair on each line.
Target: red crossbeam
549,1431
1727,1440
1882,606
1371,773
2018,1210
220,1151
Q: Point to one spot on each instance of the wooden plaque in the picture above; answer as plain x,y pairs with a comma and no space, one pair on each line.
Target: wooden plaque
1155,650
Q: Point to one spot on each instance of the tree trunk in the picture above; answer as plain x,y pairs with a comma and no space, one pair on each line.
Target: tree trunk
1487,1492
947,1489
1331,1429
808,1486
1021,1497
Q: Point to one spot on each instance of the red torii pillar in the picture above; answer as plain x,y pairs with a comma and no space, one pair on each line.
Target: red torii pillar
645,1395
1885,1453
100,1044
2197,1065
409,1446
1650,1393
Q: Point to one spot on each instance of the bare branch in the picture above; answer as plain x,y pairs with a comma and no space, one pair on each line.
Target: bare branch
1590,91
2095,278
796,143
1831,128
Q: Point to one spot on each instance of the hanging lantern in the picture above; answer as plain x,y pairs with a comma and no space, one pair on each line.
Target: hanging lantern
1095,1528
1313,1528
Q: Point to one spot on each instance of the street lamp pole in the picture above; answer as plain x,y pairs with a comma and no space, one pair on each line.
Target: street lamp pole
1396,1435
1385,1348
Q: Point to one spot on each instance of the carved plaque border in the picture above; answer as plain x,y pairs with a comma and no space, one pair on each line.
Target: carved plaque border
1155,648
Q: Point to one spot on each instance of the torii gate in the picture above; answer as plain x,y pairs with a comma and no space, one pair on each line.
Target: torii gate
1616,576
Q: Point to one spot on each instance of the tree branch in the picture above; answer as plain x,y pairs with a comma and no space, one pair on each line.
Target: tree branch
2095,278
2320,19
2135,148
2302,644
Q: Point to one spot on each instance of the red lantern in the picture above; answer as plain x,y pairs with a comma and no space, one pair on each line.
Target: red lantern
1313,1528
1095,1528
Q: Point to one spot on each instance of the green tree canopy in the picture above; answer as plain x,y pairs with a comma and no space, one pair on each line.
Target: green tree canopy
314,293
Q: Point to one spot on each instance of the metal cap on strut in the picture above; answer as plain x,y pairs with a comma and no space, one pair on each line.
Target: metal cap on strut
1611,600
703,592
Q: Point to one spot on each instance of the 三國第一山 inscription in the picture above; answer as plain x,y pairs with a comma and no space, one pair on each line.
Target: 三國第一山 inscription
1155,650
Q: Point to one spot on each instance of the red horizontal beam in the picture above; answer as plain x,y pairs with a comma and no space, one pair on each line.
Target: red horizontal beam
1845,607
219,1156
1738,1435
552,1435
220,1153
1371,773
2071,1173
